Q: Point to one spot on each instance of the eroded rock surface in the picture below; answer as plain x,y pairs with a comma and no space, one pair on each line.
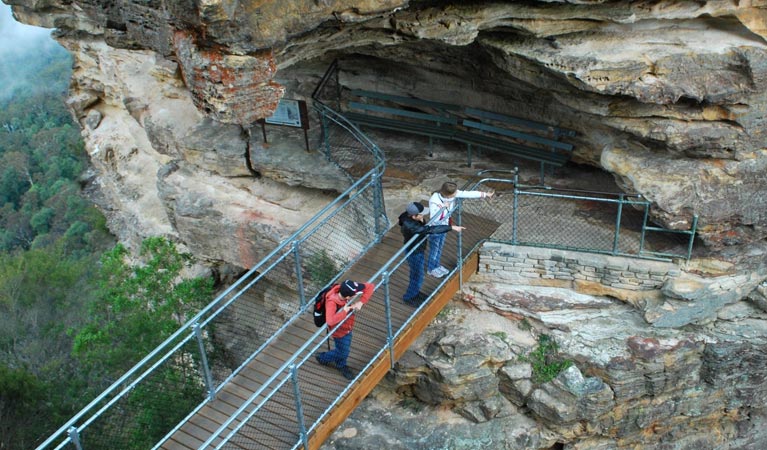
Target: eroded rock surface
667,96
630,385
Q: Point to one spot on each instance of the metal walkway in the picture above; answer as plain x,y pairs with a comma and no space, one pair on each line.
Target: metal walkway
276,426
241,373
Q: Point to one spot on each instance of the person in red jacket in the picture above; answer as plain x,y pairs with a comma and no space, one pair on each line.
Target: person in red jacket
336,310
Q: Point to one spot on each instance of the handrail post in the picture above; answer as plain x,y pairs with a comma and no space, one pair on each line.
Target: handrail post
325,133
299,406
618,225
299,273
692,236
514,213
74,436
387,307
378,209
644,227
337,71
458,221
204,362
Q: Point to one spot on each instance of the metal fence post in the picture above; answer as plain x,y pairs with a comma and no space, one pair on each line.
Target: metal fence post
514,214
387,306
299,406
458,221
299,274
337,71
618,224
377,204
644,227
204,363
74,436
325,133
692,236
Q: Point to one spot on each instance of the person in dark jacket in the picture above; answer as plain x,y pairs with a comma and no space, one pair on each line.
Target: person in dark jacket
411,222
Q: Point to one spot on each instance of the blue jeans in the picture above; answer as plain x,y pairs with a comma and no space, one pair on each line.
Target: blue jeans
436,242
415,261
339,354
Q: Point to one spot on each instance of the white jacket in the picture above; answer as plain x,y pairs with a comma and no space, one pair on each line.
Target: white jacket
437,202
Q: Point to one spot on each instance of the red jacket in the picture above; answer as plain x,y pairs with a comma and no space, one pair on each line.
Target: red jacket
334,312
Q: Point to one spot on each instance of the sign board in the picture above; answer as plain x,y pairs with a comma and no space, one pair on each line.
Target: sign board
289,113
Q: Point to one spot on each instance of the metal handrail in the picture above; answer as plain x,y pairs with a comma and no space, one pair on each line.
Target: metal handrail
371,180
219,304
623,199
296,360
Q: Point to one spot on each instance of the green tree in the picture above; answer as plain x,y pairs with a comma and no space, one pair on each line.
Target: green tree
21,395
42,294
138,306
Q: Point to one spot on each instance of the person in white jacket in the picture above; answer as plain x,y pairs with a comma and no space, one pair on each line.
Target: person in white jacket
441,205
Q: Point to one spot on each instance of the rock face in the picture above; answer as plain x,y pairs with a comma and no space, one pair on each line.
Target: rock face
667,96
480,375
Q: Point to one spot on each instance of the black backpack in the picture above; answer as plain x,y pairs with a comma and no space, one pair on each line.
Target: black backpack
319,306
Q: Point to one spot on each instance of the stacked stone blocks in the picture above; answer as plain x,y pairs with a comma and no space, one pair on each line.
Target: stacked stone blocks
525,264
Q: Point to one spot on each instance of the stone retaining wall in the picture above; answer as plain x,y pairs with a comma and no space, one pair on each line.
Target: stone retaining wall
544,267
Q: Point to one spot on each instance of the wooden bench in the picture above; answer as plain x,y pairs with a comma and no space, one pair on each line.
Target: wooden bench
440,125
487,115
515,149
447,121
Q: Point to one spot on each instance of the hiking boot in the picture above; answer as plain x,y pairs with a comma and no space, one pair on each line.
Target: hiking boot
329,363
417,300
347,372
436,273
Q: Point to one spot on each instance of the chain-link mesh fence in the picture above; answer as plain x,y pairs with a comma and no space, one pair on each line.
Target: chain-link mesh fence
610,223
148,403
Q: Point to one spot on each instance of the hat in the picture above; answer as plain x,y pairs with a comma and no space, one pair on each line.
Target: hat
415,208
349,288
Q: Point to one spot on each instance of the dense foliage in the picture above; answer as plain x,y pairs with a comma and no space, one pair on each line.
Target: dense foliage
41,159
139,306
74,315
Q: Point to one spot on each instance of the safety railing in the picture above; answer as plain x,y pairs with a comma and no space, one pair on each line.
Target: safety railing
149,402
598,222
284,391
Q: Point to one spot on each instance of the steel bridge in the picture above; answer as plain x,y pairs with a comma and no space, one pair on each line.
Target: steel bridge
241,373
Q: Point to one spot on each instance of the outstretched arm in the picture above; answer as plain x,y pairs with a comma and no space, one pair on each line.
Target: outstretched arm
474,194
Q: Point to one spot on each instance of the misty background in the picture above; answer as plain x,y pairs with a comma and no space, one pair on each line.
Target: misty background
26,51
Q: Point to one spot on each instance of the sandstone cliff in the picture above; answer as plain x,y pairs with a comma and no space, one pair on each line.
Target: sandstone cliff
667,98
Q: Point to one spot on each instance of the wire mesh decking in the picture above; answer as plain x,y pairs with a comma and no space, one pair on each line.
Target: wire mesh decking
269,420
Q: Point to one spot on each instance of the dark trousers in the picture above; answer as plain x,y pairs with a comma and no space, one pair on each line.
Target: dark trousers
339,354
415,261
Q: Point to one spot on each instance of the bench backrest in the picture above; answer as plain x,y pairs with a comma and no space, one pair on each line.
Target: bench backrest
406,100
517,135
403,113
517,121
